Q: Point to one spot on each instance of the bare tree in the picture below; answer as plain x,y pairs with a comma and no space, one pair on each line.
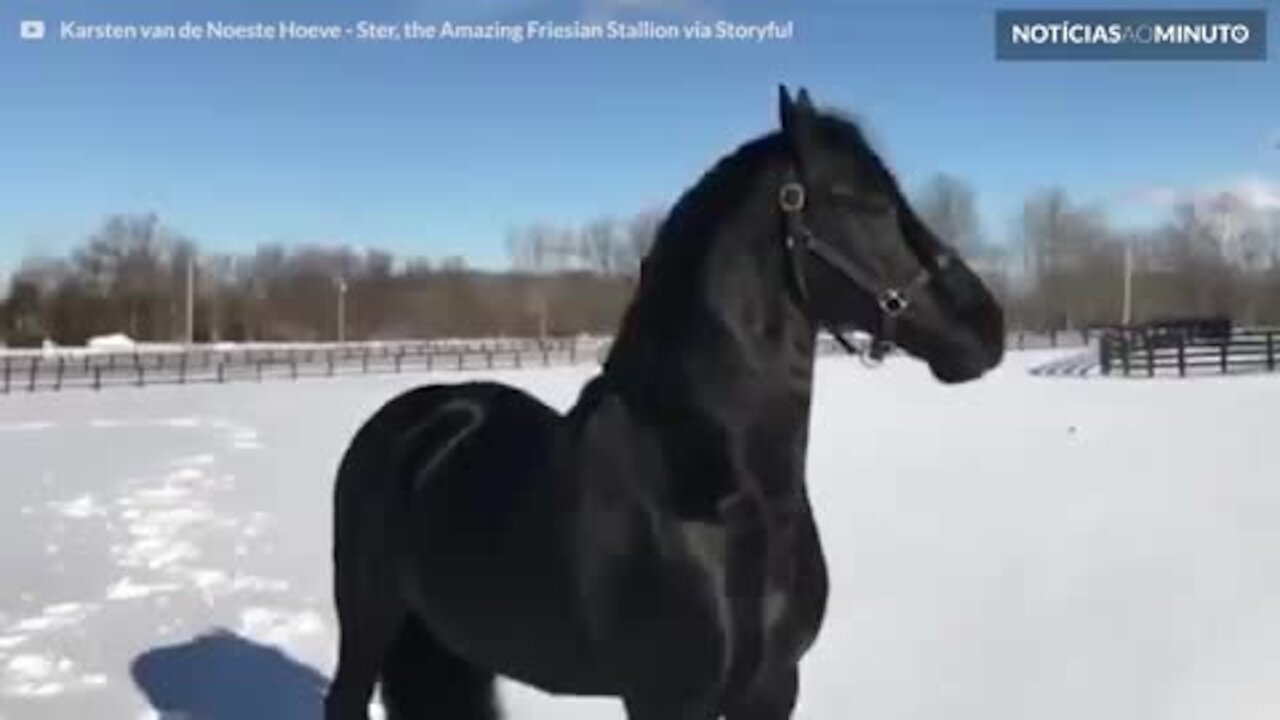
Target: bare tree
22,322
130,275
537,248
598,242
1074,262
639,236
948,206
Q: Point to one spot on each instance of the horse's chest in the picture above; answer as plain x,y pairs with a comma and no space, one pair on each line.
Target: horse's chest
735,602
766,594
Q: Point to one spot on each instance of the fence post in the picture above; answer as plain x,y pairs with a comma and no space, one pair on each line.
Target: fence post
1222,354
62,368
399,359
182,369
488,356
518,362
1124,353
364,361
461,354
97,377
1182,355
1271,351
293,366
258,369
1104,354
8,373
222,373
1151,359
329,360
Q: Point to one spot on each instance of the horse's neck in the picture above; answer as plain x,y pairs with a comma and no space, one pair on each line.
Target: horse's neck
729,378
757,404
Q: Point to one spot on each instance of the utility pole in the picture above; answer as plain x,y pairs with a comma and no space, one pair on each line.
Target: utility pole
191,298
542,317
1128,282
561,254
342,310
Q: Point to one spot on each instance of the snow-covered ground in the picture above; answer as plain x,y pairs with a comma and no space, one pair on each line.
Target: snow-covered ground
1020,547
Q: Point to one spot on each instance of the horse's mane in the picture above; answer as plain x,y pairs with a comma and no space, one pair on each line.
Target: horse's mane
684,235
671,272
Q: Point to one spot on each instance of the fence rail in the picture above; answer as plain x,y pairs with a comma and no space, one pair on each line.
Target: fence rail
1052,339
66,368
1140,352
29,372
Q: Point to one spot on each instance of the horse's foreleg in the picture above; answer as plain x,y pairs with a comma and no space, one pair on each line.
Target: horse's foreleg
662,708
774,698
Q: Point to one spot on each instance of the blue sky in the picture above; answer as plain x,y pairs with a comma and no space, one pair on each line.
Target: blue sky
438,149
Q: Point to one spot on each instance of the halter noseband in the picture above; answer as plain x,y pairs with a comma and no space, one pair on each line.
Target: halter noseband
891,301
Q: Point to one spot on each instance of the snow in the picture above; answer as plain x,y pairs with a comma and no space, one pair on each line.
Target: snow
115,341
1020,547
121,343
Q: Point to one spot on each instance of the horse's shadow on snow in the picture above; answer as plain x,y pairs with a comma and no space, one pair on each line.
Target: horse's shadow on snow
222,676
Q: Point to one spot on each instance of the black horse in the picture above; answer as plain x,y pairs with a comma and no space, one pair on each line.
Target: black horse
656,542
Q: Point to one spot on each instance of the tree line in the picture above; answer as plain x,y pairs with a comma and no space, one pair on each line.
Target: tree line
1212,255
137,276
1062,267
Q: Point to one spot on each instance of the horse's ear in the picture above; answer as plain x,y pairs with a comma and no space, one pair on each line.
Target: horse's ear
803,100
798,120
785,108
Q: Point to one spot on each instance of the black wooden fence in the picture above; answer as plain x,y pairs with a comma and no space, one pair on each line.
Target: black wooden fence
1051,339
1143,352
31,371
97,370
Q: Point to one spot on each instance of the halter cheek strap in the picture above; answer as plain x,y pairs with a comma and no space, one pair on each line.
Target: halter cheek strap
891,301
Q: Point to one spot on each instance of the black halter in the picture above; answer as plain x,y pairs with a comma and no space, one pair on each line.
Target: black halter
892,301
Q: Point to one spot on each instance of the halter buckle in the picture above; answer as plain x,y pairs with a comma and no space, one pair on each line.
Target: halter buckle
893,303
791,197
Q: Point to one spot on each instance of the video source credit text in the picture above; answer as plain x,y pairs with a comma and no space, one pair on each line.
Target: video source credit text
217,31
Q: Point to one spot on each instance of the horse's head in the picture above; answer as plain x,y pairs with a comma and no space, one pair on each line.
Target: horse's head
860,256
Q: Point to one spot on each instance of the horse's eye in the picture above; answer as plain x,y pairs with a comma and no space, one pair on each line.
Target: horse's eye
868,202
